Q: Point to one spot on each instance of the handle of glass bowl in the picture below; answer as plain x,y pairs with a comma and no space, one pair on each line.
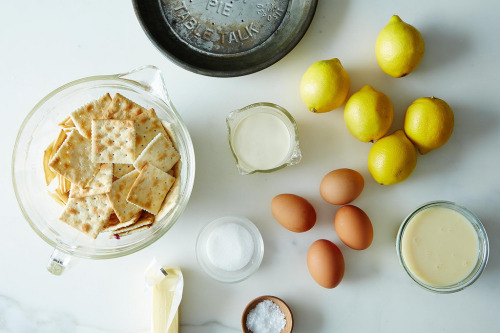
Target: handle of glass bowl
150,78
58,262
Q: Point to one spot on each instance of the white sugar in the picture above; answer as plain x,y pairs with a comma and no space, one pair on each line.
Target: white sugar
266,317
230,247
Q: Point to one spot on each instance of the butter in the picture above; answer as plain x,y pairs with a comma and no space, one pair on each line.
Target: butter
174,327
167,295
163,297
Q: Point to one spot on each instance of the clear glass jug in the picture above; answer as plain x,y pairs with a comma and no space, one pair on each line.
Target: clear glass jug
146,87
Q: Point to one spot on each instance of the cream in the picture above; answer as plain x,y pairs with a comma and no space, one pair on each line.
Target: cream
261,141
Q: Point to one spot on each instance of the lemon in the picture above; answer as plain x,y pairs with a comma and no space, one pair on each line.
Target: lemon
324,86
429,123
392,159
368,114
399,48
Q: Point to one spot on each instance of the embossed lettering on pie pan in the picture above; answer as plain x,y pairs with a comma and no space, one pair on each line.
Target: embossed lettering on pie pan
225,38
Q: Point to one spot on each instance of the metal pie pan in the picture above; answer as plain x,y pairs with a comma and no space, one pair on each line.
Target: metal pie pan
225,38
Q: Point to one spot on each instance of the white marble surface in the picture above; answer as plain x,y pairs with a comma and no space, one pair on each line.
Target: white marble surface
48,43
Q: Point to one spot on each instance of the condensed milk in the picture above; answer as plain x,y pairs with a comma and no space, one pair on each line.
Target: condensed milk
442,246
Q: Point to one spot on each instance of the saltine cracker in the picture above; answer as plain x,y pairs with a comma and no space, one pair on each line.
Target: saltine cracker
113,141
150,188
160,153
82,117
118,197
101,183
87,214
73,161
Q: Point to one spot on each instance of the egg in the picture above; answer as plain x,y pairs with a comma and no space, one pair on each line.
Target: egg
293,212
354,227
341,186
325,263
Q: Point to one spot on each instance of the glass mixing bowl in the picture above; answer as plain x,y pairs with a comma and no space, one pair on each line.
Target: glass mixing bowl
146,87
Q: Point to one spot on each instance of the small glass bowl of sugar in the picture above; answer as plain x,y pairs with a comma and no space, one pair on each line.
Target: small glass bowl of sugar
230,249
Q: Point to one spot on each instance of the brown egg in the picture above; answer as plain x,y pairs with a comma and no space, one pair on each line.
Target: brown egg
341,186
354,227
293,212
325,263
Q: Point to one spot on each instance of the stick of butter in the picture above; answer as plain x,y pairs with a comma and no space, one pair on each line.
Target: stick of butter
167,285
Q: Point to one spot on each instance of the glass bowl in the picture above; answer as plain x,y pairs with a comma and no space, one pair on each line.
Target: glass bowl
224,275
146,87
234,118
482,257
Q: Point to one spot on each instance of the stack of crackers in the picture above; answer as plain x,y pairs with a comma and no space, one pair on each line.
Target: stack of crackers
116,166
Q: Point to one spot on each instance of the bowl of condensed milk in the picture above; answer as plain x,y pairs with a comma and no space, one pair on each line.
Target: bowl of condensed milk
263,137
442,246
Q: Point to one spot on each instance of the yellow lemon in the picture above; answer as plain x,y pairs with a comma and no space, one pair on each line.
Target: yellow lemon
324,86
392,159
368,114
399,48
429,123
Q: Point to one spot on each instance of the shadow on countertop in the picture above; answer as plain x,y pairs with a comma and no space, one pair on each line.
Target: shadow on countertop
308,316
443,47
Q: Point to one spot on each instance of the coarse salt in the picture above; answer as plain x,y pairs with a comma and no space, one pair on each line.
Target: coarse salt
266,317
230,247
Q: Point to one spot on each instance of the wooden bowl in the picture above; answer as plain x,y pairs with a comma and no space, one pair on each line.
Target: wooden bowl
282,305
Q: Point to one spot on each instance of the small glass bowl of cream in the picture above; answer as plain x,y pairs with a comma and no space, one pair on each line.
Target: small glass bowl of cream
263,137
230,249
443,247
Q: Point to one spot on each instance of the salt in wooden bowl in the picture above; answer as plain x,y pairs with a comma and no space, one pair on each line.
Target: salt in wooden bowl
283,308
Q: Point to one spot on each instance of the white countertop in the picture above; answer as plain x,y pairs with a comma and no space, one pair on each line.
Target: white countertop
48,43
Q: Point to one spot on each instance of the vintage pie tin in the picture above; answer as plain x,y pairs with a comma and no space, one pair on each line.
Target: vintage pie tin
225,38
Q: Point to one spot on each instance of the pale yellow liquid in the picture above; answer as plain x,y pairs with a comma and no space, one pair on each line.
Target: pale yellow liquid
261,141
440,246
